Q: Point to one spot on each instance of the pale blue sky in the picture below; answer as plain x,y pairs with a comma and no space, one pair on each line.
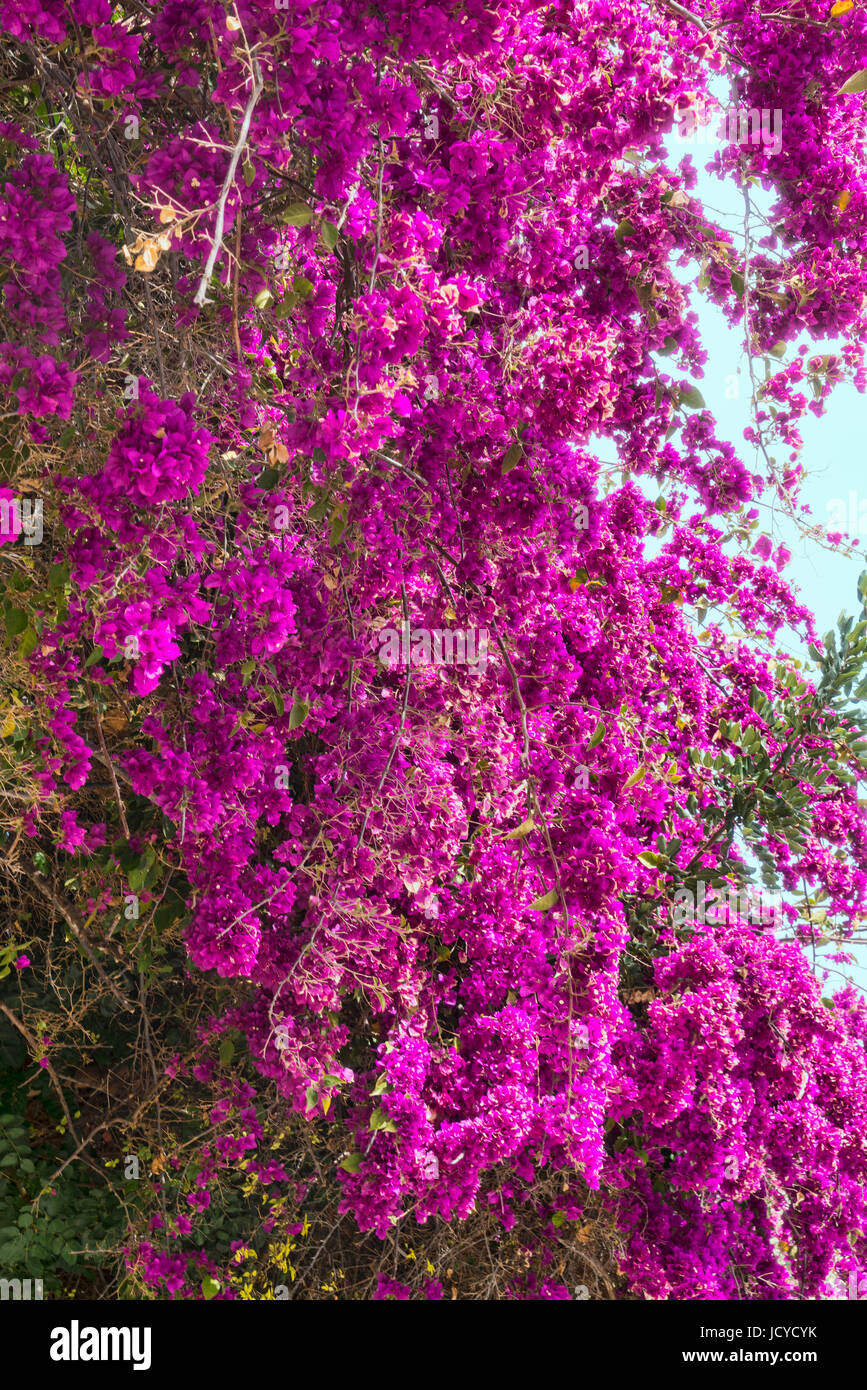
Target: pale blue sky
834,452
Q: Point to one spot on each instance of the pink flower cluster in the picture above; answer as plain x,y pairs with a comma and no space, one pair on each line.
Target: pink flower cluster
435,882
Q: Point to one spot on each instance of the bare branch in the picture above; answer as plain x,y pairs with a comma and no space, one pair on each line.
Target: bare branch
255,93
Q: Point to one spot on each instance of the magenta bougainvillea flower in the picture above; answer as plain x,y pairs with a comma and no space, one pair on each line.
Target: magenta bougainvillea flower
417,261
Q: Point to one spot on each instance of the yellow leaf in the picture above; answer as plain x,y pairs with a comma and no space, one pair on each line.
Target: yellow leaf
546,902
8,726
845,196
841,7
167,215
147,260
524,829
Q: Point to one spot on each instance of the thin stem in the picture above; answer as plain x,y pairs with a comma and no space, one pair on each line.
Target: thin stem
256,92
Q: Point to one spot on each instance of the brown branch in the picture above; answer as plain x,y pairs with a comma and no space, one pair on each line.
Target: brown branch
255,93
35,1048
109,765
235,334
519,699
113,1118
73,921
426,79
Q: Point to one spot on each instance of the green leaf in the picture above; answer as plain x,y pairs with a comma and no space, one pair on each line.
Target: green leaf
692,399
168,912
652,861
95,656
297,215
624,229
276,700
210,1287
16,621
856,83
330,234
351,1163
338,526
546,902
637,776
136,879
512,457
380,1121
136,867
298,713
738,284
268,479
28,642
227,1051
263,299
249,171
598,735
